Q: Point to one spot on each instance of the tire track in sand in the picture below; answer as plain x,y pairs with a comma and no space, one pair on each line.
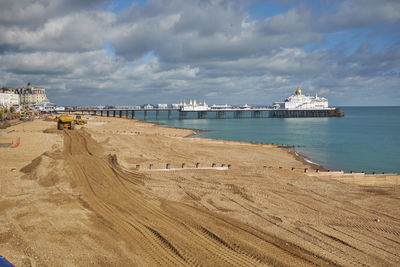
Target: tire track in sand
160,236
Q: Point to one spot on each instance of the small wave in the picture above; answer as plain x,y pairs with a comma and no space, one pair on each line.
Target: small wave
309,161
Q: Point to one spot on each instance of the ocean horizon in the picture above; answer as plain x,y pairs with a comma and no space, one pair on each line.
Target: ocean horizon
365,139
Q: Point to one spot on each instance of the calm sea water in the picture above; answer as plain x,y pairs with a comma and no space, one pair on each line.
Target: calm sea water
367,138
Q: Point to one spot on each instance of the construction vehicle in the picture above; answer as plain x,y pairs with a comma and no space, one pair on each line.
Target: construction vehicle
69,122
79,120
65,121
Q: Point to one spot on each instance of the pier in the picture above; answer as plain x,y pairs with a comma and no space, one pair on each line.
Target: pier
236,113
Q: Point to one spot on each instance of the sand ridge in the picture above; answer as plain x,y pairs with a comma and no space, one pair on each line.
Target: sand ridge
85,204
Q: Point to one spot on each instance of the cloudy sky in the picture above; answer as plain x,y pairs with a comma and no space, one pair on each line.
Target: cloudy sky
94,52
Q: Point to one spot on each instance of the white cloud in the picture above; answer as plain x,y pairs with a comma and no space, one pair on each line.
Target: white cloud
211,48
74,32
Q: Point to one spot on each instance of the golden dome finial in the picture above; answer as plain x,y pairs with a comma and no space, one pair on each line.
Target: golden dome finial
298,91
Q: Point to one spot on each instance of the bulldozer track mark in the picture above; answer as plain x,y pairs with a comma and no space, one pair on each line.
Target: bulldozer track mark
342,254
318,242
394,241
85,143
234,253
335,239
367,227
352,235
169,233
294,201
166,242
282,245
161,256
250,210
215,237
67,142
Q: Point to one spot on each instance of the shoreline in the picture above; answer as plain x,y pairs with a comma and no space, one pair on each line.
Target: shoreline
300,157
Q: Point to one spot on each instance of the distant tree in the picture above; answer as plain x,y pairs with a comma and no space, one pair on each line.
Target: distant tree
12,112
9,115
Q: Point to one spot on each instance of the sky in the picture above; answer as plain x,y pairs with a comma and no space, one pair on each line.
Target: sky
98,52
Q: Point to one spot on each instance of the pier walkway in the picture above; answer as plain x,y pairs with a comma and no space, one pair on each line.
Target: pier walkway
220,113
183,114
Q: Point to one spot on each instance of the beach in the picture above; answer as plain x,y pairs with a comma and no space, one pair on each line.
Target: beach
113,192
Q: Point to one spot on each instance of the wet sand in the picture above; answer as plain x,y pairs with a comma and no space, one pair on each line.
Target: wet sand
75,198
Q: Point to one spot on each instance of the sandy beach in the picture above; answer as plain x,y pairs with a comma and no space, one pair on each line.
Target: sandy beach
88,197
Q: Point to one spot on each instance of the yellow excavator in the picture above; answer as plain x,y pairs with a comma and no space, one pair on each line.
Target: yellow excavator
69,122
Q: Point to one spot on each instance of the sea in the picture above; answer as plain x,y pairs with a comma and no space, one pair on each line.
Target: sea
365,139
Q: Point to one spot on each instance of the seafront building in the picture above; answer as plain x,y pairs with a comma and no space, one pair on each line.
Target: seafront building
193,106
8,98
299,105
27,97
300,101
31,95
47,106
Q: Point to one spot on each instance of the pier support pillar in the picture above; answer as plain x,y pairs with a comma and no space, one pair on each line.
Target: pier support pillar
169,114
120,113
256,114
114,113
101,112
238,114
133,114
221,115
202,114
157,114
182,115
108,113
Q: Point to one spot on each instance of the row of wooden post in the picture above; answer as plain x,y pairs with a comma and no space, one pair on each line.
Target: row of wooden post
197,165
214,165
317,170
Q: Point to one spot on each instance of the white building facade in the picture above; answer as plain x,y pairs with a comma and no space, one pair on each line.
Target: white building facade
194,106
9,99
298,101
